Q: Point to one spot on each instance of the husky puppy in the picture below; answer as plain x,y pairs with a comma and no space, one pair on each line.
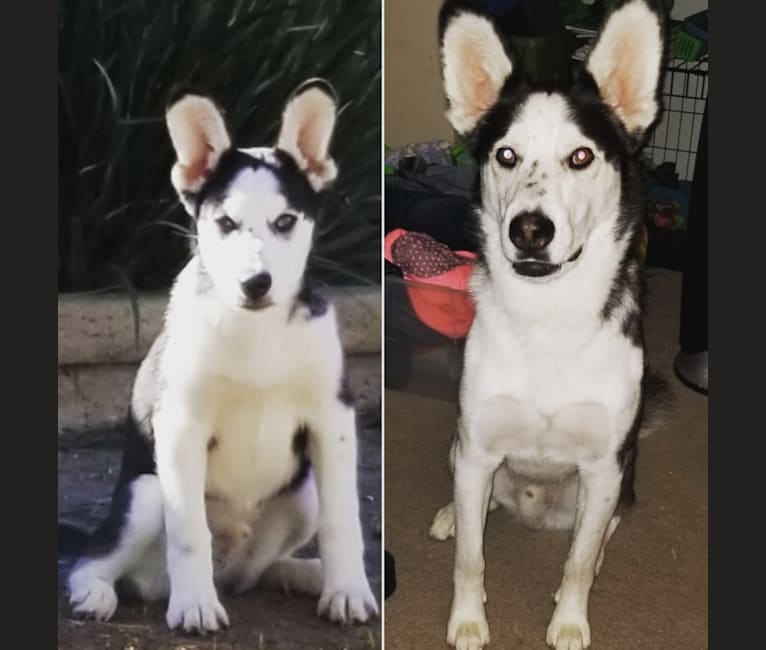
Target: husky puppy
555,385
241,441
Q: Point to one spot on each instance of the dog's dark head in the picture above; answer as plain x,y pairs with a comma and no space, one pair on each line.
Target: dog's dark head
557,162
254,208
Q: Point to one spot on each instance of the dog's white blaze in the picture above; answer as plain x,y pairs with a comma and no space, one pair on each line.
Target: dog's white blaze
253,200
262,153
544,137
239,203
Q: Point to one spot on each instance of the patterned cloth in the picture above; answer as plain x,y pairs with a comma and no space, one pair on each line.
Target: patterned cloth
418,254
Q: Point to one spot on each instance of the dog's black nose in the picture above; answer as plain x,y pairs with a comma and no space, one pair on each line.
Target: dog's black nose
257,287
531,231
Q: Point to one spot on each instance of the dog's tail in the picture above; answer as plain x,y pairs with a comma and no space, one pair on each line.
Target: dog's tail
658,403
72,541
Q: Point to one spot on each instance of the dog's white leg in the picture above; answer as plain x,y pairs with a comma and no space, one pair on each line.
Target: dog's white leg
467,628
597,499
613,523
91,582
181,449
443,524
346,595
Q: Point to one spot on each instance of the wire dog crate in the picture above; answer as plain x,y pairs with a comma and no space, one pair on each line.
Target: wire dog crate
684,96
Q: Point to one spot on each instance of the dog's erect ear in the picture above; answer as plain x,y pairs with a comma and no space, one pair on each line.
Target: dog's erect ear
307,125
199,138
626,63
474,64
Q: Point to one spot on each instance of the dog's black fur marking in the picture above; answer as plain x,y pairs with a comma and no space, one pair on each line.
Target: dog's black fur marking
494,124
300,449
311,297
653,405
137,459
628,287
293,183
626,458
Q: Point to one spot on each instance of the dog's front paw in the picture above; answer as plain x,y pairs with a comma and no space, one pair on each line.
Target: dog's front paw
96,599
196,611
443,526
468,635
348,604
568,633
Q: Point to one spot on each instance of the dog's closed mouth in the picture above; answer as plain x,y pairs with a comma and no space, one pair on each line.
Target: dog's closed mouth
532,269
257,305
537,269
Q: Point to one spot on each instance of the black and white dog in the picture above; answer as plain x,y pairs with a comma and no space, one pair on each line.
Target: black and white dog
555,388
242,397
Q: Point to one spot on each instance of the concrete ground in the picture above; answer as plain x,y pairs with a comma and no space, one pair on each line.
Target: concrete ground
88,466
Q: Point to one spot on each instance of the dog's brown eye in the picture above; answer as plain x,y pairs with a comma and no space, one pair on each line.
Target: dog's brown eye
506,157
226,224
581,158
284,222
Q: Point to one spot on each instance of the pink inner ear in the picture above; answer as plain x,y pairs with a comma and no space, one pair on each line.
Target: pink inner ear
194,172
307,146
615,91
623,86
477,85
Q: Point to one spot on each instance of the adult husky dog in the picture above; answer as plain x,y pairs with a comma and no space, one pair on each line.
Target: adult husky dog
242,397
555,386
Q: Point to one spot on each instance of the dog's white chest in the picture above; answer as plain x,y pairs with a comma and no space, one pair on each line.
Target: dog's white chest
263,354
550,404
252,456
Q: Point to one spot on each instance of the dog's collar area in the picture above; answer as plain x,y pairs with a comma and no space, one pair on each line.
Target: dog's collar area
536,269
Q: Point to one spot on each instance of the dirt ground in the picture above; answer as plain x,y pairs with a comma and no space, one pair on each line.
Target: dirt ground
88,466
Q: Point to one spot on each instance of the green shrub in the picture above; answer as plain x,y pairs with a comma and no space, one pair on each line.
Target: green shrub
119,221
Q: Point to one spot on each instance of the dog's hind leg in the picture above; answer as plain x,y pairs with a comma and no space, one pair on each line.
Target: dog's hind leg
443,525
295,574
134,524
286,524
